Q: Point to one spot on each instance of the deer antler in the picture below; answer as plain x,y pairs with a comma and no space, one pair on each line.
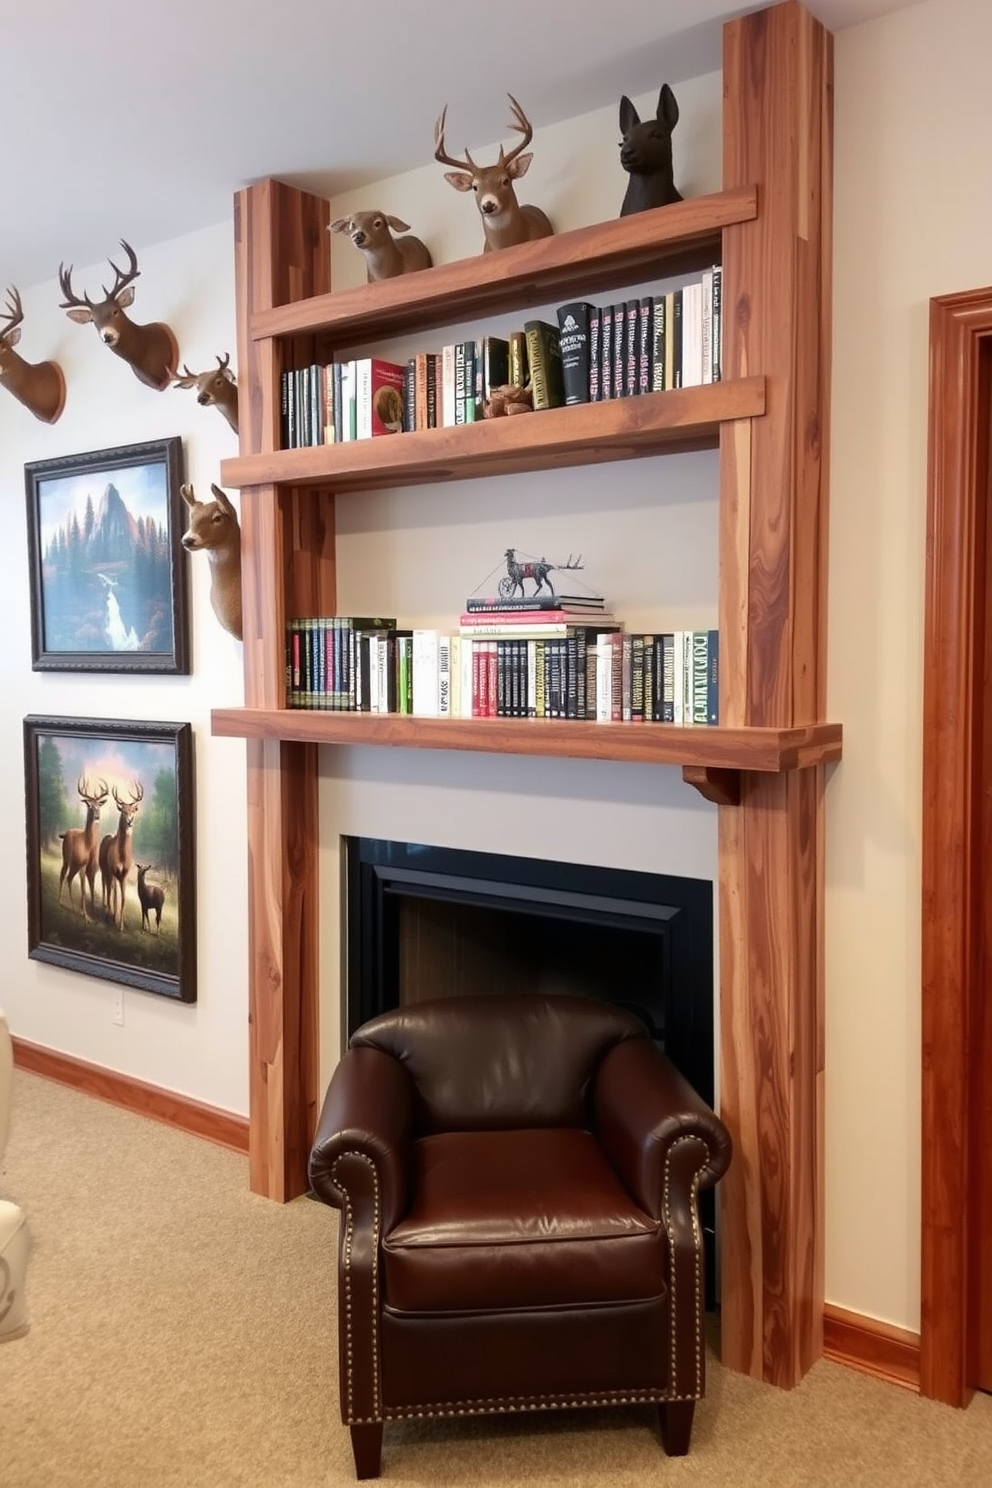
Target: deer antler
522,125
439,151
122,279
12,313
223,362
71,300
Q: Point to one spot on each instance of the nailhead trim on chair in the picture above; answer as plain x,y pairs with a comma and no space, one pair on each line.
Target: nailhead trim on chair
698,1247
348,1332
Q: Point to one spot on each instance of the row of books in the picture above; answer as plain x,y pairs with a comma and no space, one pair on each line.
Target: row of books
595,352
552,669
645,345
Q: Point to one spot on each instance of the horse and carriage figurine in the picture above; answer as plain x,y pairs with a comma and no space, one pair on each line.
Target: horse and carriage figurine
511,586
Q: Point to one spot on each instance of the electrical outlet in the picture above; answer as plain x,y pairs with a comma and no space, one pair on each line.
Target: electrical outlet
117,1008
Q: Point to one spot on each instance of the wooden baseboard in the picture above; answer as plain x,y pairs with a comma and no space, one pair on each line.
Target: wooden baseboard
873,1347
134,1095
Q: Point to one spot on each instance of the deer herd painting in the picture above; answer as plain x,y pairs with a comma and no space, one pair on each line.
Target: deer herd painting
109,861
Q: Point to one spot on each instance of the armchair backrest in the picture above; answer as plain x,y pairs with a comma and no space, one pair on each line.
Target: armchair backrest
506,1060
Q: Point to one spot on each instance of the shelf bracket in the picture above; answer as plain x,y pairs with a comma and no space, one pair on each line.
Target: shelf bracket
722,787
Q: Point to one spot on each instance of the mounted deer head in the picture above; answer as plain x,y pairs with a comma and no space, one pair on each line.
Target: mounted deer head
505,222
646,154
149,350
385,256
214,527
40,386
217,386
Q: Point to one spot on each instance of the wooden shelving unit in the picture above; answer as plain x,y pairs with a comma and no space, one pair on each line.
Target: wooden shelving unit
765,764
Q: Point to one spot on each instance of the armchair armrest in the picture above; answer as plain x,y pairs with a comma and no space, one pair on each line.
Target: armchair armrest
642,1108
365,1128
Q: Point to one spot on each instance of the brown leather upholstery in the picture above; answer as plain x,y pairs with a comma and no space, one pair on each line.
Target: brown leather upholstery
518,1178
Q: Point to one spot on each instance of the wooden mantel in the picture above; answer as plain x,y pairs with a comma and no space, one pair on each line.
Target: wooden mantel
773,540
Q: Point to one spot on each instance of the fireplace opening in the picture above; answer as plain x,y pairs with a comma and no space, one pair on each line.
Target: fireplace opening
424,922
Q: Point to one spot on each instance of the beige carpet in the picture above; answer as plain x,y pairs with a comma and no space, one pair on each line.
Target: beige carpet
184,1334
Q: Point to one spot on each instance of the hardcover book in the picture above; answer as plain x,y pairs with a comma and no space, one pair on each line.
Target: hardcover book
574,332
544,359
379,397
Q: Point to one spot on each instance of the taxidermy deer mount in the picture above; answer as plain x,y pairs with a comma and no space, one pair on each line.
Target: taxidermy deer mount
216,387
385,256
646,154
214,528
40,386
149,350
504,221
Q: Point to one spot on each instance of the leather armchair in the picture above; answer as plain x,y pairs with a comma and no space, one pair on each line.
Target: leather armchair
14,1240
517,1178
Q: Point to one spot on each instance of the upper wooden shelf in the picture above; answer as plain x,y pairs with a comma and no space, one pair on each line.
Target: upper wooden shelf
585,434
680,238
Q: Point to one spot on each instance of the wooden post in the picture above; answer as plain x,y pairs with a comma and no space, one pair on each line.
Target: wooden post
776,318
281,254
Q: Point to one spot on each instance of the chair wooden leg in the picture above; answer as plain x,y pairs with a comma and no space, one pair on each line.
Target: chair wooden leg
366,1444
676,1425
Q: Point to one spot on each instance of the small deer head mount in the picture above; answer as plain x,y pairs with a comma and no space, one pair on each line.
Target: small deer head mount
385,256
214,528
504,221
40,386
149,350
217,386
646,154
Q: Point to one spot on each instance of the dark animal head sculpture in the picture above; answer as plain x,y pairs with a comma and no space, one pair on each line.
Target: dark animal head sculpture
216,386
149,350
646,154
385,256
504,221
40,386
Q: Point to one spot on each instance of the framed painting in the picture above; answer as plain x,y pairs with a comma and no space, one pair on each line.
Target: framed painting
110,850
108,571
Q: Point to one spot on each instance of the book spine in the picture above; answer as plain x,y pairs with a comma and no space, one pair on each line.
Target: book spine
519,369
670,359
700,676
448,386
619,349
713,677
444,676
677,338
460,382
645,343
658,383
706,317
669,663
410,396
363,398
595,338
717,323
606,353
632,320
573,328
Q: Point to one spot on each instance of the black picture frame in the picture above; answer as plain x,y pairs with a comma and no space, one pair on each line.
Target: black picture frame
81,914
108,572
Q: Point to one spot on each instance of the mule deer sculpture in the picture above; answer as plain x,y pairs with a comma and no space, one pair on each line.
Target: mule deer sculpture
646,154
217,388
504,221
385,256
149,350
214,528
40,386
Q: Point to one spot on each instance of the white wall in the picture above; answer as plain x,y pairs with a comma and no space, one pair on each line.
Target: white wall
913,219
200,1050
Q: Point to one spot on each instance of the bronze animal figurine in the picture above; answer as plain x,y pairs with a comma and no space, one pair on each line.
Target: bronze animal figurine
385,256
646,154
214,528
40,386
217,388
504,221
149,350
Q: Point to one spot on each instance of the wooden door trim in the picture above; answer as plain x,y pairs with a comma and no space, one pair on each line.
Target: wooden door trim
960,333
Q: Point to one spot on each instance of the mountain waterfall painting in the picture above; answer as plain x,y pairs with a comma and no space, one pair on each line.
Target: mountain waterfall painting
108,571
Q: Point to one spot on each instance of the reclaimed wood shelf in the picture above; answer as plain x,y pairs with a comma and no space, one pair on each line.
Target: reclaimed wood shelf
586,434
677,239
729,751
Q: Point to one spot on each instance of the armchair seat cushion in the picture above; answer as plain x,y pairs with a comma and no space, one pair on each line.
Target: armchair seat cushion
510,1220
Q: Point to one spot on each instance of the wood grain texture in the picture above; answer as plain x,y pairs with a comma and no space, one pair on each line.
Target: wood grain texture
588,433
778,135
872,1347
180,1111
952,903
712,747
679,238
281,253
